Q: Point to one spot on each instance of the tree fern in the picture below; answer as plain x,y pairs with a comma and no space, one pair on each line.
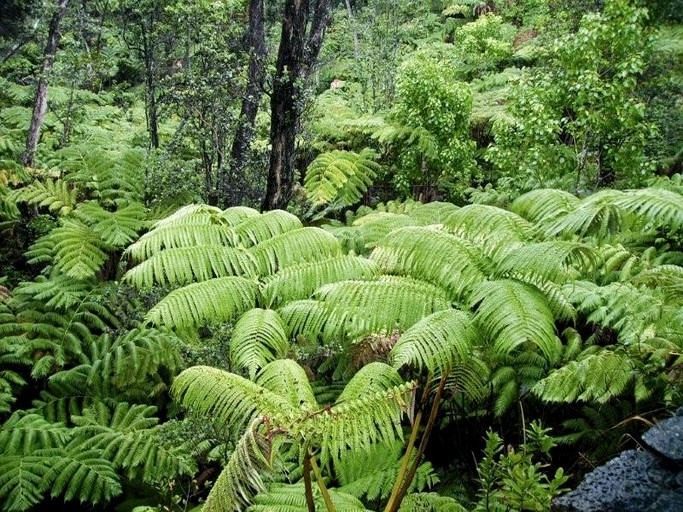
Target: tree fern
476,221
185,265
434,256
435,212
374,227
215,300
340,177
297,246
299,281
259,337
438,342
513,314
21,478
116,229
286,378
598,215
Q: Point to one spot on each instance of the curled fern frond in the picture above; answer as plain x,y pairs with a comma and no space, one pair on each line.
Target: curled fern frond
259,337
185,265
215,300
513,314
438,342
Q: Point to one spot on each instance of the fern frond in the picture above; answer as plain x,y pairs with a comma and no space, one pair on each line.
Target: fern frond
435,212
236,215
542,206
115,229
594,378
384,304
296,246
183,235
24,434
659,207
286,378
82,475
360,423
59,292
598,215
259,337
299,281
215,300
438,342
292,498
242,476
313,319
376,226
254,230
185,265
554,261
434,256
59,196
513,314
21,478
371,474
372,378
666,278
225,397
475,221
77,249
339,176
192,214
430,502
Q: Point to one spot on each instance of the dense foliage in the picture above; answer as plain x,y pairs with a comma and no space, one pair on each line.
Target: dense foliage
474,295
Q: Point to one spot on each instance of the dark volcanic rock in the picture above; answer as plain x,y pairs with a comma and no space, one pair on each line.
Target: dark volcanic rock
666,438
636,481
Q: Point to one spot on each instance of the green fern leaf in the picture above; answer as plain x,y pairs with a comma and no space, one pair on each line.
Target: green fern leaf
292,498
254,230
339,176
659,207
259,337
185,265
115,229
372,378
594,378
59,196
297,246
299,281
78,250
513,314
434,256
215,300
542,206
438,342
21,478
83,475
430,502
598,215
286,378
173,236
24,434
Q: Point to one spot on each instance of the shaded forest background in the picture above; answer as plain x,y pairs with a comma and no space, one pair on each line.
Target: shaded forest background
361,255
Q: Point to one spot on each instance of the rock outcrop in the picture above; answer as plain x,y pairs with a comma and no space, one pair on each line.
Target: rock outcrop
650,480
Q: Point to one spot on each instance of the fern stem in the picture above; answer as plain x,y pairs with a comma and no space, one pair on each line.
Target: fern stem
307,483
423,444
321,484
404,463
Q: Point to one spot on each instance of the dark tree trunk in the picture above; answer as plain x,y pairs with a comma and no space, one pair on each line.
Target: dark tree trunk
40,101
296,55
151,112
229,183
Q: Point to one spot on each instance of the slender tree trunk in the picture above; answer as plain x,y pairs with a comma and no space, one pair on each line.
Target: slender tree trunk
40,101
241,145
356,45
150,89
296,55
